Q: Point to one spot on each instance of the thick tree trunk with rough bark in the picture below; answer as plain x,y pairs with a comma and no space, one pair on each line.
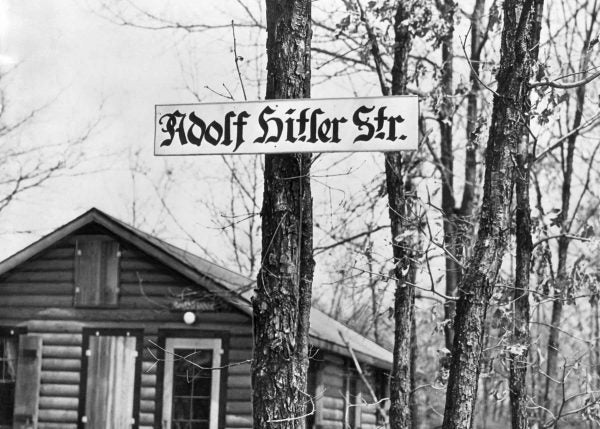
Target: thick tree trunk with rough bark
511,107
401,379
283,297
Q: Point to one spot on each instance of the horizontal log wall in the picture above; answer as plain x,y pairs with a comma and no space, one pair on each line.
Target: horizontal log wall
333,401
334,370
368,414
39,295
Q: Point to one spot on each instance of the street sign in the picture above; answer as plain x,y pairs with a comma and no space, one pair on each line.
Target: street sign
379,124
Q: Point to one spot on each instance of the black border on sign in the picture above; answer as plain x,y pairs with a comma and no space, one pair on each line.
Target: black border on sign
163,334
137,384
215,103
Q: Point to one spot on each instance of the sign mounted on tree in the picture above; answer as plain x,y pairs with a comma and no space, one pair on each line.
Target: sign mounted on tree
379,124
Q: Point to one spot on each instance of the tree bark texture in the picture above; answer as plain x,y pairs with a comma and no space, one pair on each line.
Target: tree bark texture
511,108
446,112
401,379
519,362
519,359
283,297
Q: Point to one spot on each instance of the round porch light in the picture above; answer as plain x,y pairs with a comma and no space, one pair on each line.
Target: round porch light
189,318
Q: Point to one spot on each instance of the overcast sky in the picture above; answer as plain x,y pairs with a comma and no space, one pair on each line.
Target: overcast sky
64,55
83,67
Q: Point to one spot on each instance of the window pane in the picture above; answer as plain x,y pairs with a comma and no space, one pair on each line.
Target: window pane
7,401
181,408
8,371
201,409
192,379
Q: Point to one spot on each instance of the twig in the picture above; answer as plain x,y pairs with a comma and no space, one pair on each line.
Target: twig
237,60
593,121
475,74
565,85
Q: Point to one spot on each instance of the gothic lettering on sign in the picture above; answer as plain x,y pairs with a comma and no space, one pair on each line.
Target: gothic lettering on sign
281,126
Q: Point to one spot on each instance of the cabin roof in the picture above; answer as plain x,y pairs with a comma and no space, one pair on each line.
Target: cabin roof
325,332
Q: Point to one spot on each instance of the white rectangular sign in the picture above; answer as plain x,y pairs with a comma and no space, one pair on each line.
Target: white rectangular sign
378,124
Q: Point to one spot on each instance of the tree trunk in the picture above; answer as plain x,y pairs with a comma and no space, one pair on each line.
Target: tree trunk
446,112
457,224
521,318
283,297
511,107
401,379
519,357
468,198
414,354
596,341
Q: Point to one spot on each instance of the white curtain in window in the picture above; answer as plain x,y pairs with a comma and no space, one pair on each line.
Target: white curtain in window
11,353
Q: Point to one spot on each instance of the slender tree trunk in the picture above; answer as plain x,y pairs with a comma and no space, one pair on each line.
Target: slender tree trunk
283,297
596,340
457,222
465,226
401,379
467,206
511,106
446,112
373,286
414,353
521,318
519,358
562,278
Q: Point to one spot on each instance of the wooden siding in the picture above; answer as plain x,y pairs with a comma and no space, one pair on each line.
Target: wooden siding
368,413
331,394
39,294
333,402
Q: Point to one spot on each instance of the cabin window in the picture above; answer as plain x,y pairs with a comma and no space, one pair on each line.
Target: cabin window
191,384
97,272
9,346
353,400
112,383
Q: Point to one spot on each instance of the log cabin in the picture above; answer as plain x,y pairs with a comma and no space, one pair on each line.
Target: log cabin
105,326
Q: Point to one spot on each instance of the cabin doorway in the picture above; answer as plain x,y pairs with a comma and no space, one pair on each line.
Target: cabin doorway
111,380
192,379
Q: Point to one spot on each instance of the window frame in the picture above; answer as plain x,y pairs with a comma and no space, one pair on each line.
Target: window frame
172,344
352,396
163,335
137,383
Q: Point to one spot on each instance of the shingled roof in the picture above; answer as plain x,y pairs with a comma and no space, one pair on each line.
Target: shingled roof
325,332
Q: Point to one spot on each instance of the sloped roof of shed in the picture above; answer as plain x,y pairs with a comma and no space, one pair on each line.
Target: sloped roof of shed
325,332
